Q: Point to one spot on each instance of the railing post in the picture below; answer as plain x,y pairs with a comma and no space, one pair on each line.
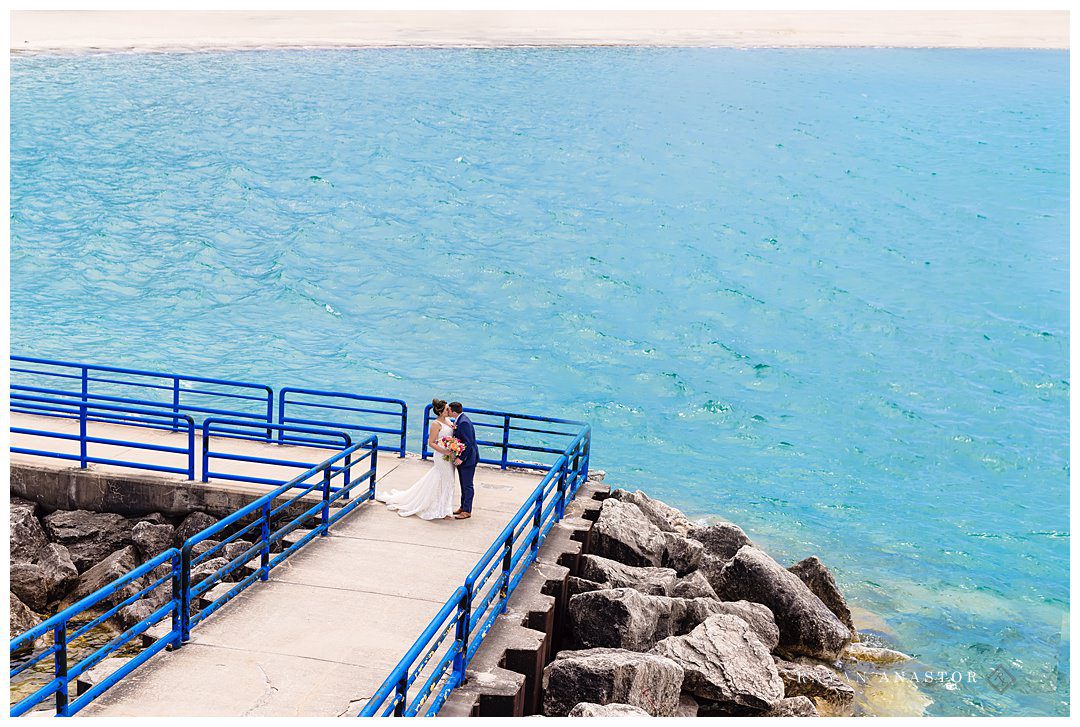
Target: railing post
348,476
82,435
60,667
185,593
206,451
506,440
176,402
270,415
325,527
464,617
264,561
403,692
504,587
561,508
191,448
404,428
178,601
374,468
538,511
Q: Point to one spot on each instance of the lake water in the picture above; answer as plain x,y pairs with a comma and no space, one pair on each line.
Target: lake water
822,293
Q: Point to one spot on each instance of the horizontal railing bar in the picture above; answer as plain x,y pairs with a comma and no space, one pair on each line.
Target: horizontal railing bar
118,370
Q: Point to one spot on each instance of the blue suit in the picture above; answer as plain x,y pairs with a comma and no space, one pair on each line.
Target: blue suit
469,459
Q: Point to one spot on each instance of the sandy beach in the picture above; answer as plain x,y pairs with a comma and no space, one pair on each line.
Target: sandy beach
80,31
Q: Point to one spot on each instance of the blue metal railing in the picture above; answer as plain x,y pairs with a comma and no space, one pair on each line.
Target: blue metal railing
237,429
471,610
267,520
65,631
80,441
315,408
196,396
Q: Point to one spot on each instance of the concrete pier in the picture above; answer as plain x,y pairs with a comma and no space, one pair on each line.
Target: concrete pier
322,634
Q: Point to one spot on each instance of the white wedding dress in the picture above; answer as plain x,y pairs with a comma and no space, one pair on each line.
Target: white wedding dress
432,496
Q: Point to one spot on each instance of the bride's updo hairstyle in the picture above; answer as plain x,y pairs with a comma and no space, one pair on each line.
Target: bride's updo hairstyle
438,406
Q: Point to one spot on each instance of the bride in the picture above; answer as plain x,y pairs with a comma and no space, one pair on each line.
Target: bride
432,496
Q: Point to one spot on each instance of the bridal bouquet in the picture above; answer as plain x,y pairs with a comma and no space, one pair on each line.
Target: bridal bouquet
455,445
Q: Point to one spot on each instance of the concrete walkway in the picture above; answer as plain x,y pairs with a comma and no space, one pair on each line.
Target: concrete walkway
322,634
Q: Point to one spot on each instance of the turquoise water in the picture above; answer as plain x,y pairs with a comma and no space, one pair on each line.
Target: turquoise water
822,293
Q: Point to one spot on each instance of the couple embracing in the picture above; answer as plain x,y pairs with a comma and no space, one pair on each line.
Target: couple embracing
431,497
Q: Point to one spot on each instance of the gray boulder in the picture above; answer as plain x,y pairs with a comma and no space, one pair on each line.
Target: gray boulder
816,681
206,569
624,534
624,618
151,539
57,569
613,574
88,536
821,583
113,566
724,662
21,619
793,707
28,584
721,540
681,553
757,616
695,585
688,706
807,626
575,585
606,676
660,514
193,524
204,546
236,548
588,709
26,536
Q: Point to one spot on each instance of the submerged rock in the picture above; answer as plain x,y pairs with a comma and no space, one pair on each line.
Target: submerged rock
793,707
89,536
821,583
721,540
588,709
660,514
606,676
873,654
624,534
725,662
807,626
613,574
816,681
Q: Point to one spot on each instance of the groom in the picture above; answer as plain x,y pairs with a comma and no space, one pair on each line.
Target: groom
466,463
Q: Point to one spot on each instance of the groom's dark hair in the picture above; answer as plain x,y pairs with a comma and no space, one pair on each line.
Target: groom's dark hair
455,406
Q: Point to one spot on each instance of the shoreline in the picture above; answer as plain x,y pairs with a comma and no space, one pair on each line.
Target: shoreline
80,32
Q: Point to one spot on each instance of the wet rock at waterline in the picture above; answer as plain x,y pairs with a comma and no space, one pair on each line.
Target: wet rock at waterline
725,663
21,619
873,654
606,676
807,626
816,681
821,583
792,707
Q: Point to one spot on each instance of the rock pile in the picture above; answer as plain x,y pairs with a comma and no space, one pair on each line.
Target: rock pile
59,557
669,618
